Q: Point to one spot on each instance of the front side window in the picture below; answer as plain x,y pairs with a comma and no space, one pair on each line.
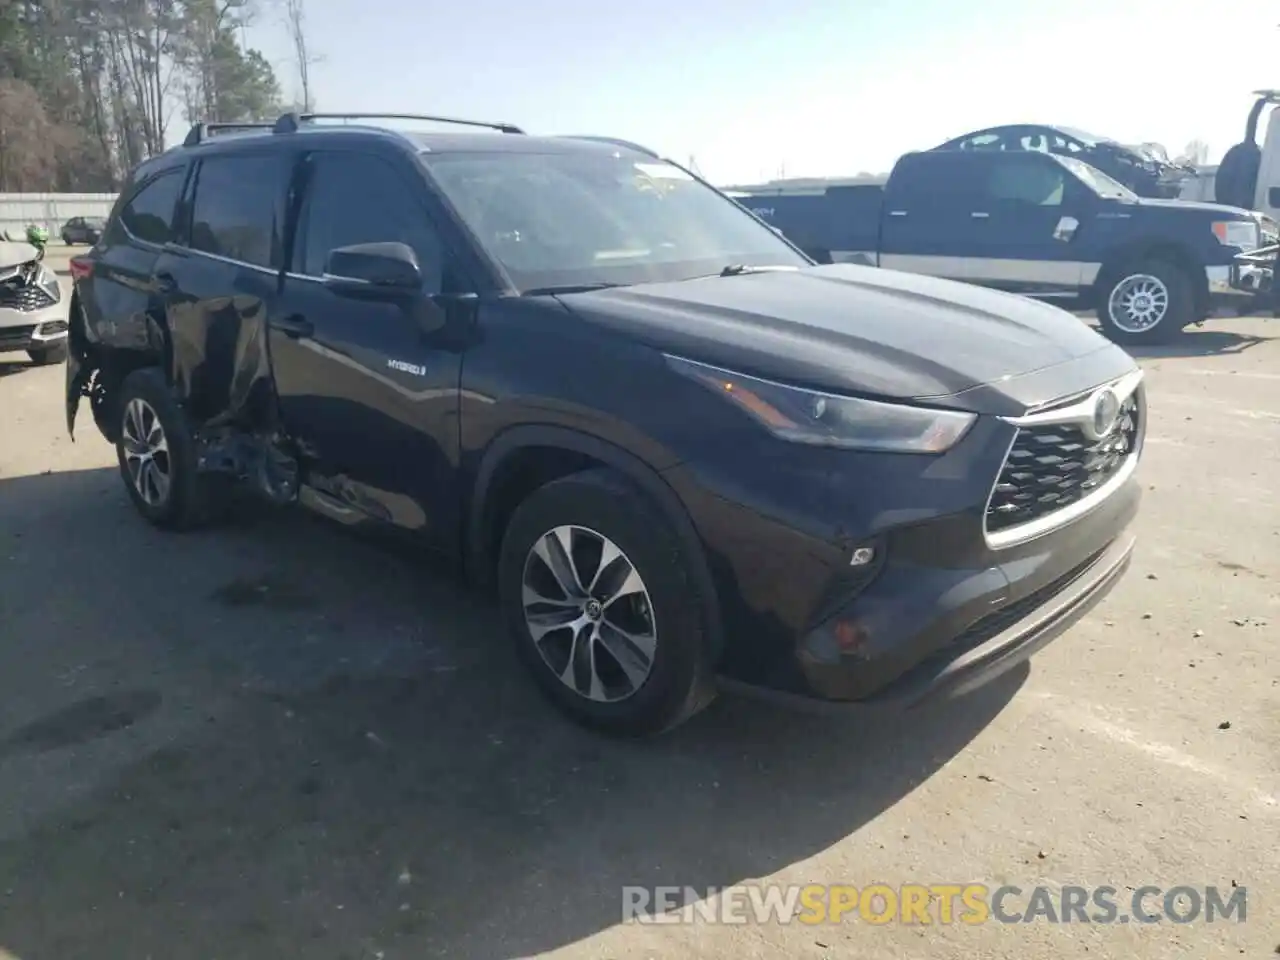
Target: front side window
1027,180
600,217
355,198
148,216
238,204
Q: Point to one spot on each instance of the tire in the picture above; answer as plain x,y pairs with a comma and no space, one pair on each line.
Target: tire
188,498
1127,318
66,241
47,356
600,505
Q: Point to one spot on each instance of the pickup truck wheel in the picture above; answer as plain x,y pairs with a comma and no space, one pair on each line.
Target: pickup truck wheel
1147,302
598,595
157,457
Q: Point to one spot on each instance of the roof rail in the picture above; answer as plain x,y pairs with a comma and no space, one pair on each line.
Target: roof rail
617,143
201,132
290,122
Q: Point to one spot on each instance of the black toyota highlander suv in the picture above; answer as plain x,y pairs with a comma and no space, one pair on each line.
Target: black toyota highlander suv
683,454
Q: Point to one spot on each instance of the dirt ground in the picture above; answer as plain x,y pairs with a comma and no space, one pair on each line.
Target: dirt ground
274,740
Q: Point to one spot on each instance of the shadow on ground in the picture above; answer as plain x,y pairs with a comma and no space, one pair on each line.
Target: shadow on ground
286,742
1203,343
13,363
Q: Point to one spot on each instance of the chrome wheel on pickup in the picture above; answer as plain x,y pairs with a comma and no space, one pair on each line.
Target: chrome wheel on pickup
1147,302
1138,303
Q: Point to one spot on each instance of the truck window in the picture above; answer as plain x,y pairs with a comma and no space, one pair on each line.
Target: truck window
1026,179
237,209
149,215
935,181
360,198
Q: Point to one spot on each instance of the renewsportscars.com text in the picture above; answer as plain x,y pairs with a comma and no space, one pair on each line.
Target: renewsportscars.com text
938,903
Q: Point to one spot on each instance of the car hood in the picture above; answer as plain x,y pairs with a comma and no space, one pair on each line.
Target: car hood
868,331
1220,210
14,253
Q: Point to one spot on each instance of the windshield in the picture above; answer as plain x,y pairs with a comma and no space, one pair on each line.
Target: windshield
1086,138
600,217
1096,180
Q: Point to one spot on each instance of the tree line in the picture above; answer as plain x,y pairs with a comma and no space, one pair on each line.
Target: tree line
90,88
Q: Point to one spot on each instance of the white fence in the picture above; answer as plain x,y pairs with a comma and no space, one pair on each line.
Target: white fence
51,210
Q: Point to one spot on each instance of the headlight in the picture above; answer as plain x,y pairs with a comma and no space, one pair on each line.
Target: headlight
1236,233
47,281
828,420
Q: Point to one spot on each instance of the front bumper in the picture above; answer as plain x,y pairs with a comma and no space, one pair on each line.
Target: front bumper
942,607
32,329
989,648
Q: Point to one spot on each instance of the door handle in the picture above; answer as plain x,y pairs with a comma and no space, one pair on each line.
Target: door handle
979,215
897,213
164,282
294,326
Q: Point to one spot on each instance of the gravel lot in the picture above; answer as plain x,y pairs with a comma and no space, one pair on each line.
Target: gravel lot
274,740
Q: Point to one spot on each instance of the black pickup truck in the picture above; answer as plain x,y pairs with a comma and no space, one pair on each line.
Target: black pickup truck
1032,223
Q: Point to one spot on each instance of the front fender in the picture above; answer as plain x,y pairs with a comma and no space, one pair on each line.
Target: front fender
644,475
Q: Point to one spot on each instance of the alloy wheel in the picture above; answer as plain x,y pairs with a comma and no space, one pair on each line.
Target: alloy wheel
589,614
146,452
1138,303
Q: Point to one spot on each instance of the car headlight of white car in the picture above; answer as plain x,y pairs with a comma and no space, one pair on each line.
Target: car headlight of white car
47,281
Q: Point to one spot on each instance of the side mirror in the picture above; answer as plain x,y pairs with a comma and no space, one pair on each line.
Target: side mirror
373,271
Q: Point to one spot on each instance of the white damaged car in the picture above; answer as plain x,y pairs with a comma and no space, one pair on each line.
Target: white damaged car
32,315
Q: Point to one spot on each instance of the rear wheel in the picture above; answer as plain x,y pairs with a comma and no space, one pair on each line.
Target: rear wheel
157,457
1146,302
597,592
45,356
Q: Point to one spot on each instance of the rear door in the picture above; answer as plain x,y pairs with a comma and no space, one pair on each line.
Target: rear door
114,281
219,278
1024,218
925,223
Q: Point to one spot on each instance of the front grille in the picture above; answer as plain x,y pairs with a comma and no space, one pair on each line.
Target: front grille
15,335
1052,466
24,297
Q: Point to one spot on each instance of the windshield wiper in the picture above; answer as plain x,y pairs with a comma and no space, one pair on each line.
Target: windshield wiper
567,288
738,269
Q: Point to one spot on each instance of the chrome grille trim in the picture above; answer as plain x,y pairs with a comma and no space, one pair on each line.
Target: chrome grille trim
1077,411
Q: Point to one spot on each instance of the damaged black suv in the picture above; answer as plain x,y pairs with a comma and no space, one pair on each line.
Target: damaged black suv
683,454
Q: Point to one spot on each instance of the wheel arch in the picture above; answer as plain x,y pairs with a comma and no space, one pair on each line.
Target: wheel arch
106,366
1154,248
523,458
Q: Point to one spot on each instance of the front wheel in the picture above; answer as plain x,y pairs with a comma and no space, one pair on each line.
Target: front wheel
597,590
1145,303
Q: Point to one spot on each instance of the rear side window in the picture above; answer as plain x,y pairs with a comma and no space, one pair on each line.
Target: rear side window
149,215
238,207
927,182
359,198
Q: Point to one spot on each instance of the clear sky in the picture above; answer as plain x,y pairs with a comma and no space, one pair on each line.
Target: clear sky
816,88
